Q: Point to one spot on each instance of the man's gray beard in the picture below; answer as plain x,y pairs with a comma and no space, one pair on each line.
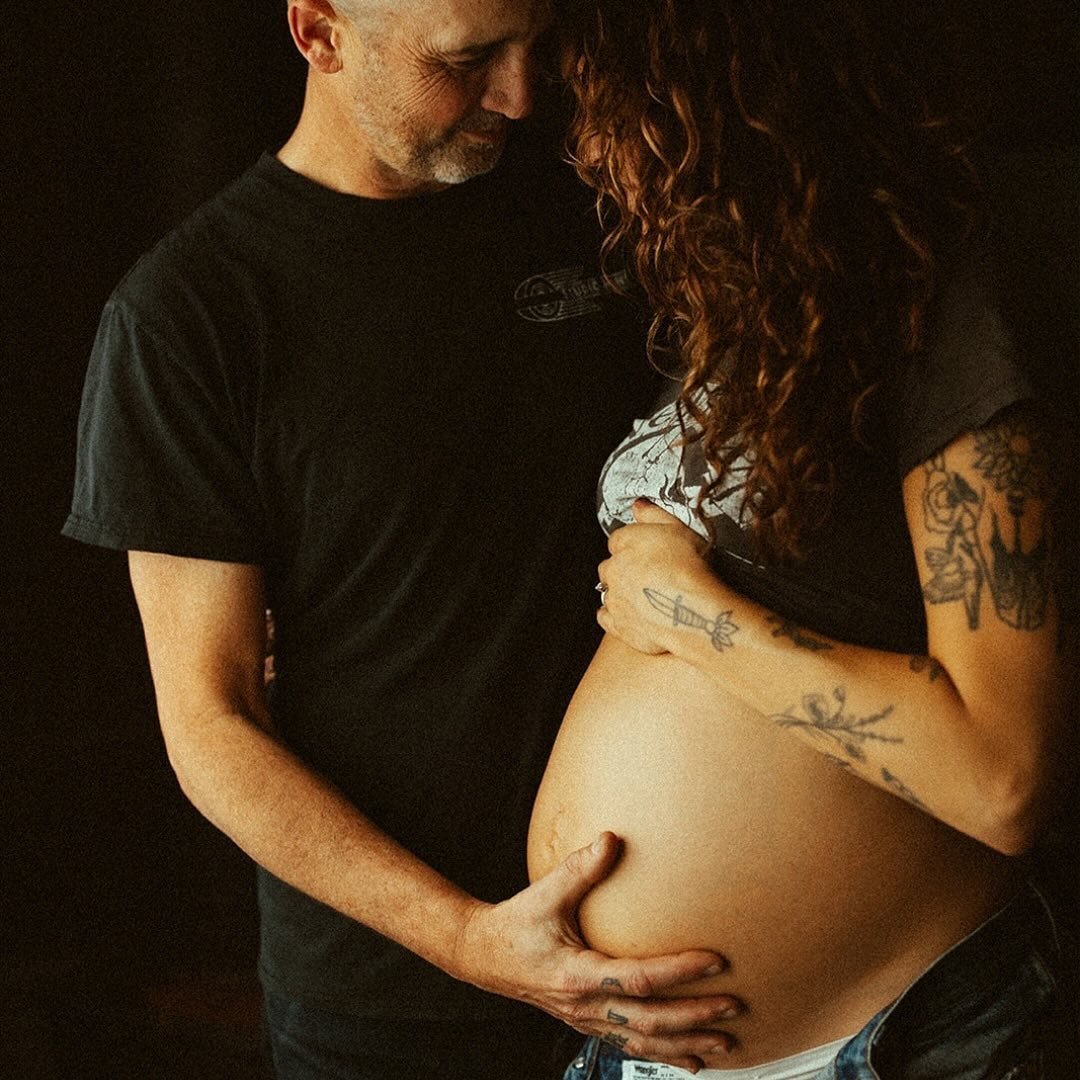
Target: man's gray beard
449,160
455,163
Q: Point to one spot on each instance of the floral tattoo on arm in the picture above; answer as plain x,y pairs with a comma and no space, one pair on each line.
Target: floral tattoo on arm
898,787
829,718
1011,459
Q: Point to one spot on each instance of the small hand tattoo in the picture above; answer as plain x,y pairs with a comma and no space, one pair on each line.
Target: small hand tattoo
786,628
617,1018
610,983
821,716
612,1039
720,630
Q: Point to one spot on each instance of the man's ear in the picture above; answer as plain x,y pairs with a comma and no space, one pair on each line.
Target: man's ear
315,26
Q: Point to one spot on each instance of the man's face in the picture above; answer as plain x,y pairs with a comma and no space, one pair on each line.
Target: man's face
433,85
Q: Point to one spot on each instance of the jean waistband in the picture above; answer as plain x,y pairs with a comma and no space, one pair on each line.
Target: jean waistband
993,950
979,967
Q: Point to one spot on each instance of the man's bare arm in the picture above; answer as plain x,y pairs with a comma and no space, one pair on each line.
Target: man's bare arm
206,638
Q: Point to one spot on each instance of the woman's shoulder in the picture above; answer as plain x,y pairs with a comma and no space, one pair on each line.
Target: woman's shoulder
1004,321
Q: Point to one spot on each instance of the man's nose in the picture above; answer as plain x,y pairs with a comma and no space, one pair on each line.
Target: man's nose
511,84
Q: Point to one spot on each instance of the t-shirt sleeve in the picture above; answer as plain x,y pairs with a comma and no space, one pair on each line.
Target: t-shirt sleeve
161,462
971,369
1003,327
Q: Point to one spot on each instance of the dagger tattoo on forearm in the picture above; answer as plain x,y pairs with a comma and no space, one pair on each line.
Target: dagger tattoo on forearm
720,630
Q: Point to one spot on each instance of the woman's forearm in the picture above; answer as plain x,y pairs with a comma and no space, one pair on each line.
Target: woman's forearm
897,721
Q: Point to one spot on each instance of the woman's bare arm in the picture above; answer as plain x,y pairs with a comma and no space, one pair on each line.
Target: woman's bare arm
973,732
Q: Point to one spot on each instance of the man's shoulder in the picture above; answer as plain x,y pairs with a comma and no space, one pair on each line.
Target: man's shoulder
208,256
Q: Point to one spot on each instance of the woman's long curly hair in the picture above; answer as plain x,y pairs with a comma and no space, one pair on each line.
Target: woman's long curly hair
784,184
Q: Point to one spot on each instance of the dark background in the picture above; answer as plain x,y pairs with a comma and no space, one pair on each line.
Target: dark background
129,927
128,923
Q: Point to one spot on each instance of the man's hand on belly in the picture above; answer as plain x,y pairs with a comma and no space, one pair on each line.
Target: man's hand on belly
529,948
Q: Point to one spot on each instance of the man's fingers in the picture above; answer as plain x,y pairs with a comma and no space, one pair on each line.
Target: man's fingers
687,1049
648,977
632,1003
672,1016
615,999
689,1032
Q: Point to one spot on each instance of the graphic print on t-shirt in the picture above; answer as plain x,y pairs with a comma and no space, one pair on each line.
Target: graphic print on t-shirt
662,461
564,294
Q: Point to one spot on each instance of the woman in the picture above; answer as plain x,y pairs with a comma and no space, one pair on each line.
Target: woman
829,711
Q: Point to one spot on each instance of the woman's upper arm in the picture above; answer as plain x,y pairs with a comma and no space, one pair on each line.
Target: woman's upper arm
979,512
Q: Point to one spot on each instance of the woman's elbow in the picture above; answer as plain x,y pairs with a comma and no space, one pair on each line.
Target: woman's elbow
1010,830
1015,802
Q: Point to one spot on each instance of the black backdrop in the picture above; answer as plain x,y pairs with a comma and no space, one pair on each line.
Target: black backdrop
118,118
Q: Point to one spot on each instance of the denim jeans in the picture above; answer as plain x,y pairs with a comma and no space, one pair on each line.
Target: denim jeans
310,1043
988,1009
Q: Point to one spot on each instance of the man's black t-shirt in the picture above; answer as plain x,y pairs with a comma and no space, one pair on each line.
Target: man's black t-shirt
398,409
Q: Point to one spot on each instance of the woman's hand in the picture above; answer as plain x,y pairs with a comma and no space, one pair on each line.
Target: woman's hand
529,948
654,563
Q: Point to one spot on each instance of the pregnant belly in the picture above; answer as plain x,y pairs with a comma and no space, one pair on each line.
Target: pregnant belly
826,895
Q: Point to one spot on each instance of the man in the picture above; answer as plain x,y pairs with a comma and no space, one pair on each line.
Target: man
370,386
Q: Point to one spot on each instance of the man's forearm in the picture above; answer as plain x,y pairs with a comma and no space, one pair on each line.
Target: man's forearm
206,636
303,830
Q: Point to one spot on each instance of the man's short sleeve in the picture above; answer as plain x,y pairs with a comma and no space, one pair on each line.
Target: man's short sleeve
162,464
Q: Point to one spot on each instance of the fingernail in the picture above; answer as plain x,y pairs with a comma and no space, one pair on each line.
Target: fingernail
730,1012
715,969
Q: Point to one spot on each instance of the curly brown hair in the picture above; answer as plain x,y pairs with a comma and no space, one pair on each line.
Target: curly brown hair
784,182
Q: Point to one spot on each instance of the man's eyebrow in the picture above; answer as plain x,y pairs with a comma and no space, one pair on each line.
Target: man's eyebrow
476,48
